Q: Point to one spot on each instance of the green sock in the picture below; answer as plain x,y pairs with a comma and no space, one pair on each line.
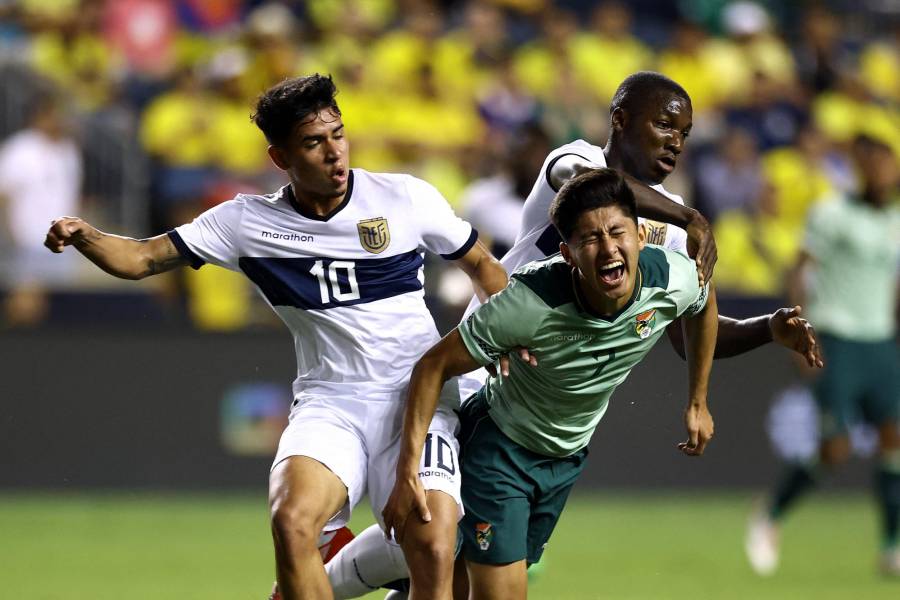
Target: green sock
887,490
796,481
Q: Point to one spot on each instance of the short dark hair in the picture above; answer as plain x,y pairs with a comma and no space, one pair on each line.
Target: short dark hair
639,88
595,188
283,106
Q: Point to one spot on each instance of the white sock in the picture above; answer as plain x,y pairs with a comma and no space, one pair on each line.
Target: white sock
365,564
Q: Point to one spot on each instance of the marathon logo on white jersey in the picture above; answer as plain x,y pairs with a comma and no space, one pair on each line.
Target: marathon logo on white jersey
287,236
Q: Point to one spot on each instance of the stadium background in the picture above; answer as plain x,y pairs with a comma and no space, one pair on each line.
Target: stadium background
137,419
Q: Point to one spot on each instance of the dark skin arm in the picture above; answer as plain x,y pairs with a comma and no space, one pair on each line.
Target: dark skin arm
652,205
122,257
486,273
737,336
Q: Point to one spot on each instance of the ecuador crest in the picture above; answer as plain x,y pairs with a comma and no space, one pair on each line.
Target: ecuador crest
374,234
643,323
656,232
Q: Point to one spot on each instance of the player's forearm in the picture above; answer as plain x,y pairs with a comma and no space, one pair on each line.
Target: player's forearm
425,386
734,337
119,256
653,205
700,341
485,272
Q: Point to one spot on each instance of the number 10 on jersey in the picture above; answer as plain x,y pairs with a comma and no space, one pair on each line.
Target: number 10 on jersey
327,272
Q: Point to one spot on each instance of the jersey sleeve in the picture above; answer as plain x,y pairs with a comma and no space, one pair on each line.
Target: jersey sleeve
508,320
684,287
212,237
440,230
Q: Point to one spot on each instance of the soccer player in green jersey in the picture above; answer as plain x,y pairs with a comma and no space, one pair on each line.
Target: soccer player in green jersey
588,315
849,267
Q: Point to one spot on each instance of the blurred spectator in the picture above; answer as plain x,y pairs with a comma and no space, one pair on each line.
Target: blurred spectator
751,48
40,179
686,61
608,52
74,53
821,54
175,131
538,62
730,176
879,66
770,114
493,205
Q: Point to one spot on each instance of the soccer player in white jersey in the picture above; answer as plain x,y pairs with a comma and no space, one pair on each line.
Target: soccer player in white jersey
338,254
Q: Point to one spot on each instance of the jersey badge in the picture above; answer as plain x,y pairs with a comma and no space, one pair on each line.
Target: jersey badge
374,234
644,322
483,535
656,232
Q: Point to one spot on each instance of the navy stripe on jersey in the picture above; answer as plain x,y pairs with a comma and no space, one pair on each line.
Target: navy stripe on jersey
548,242
195,261
321,282
473,237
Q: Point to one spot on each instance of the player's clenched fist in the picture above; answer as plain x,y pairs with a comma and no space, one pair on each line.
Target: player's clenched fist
66,231
699,424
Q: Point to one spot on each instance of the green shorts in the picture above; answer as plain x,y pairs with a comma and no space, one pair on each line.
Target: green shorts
860,382
513,497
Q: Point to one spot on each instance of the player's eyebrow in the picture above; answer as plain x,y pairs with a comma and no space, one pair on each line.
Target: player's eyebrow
321,136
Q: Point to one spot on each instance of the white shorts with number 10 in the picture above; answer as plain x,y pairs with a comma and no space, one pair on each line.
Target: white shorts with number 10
359,441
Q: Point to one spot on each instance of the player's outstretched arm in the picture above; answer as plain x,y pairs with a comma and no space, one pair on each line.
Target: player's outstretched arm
700,341
485,272
123,257
736,336
445,359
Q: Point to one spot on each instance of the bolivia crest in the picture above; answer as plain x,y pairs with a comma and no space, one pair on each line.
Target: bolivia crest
374,234
483,535
643,323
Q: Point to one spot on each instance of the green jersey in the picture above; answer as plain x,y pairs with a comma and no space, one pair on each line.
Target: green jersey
853,288
553,408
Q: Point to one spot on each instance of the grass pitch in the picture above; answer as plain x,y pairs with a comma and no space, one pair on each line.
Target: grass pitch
622,546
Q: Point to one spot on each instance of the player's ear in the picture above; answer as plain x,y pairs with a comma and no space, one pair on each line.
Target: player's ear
566,254
278,157
642,235
617,118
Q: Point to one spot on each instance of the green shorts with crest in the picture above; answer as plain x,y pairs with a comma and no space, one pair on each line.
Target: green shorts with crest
513,497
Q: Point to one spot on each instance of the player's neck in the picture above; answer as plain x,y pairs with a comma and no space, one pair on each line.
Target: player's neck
316,204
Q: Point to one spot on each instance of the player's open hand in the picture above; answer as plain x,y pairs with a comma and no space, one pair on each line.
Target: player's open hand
796,333
523,354
701,246
407,500
66,231
699,424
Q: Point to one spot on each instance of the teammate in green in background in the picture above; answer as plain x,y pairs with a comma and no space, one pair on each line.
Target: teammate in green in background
849,268
588,316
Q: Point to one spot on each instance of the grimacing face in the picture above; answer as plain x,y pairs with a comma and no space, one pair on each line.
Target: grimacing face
316,157
604,249
654,136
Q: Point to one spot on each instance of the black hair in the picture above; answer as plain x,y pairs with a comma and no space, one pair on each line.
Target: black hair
595,188
283,106
638,89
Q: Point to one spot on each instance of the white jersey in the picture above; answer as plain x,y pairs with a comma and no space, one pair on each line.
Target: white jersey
538,237
348,285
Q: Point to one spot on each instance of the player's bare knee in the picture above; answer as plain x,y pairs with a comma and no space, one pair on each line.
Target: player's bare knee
290,522
430,551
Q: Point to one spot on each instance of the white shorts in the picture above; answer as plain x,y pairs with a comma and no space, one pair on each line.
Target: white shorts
359,441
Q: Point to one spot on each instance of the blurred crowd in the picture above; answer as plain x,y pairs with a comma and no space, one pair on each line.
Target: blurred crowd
469,95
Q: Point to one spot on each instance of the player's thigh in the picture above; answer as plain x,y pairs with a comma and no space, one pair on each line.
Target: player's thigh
319,452
497,582
839,388
555,481
304,491
496,491
430,547
438,468
882,380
